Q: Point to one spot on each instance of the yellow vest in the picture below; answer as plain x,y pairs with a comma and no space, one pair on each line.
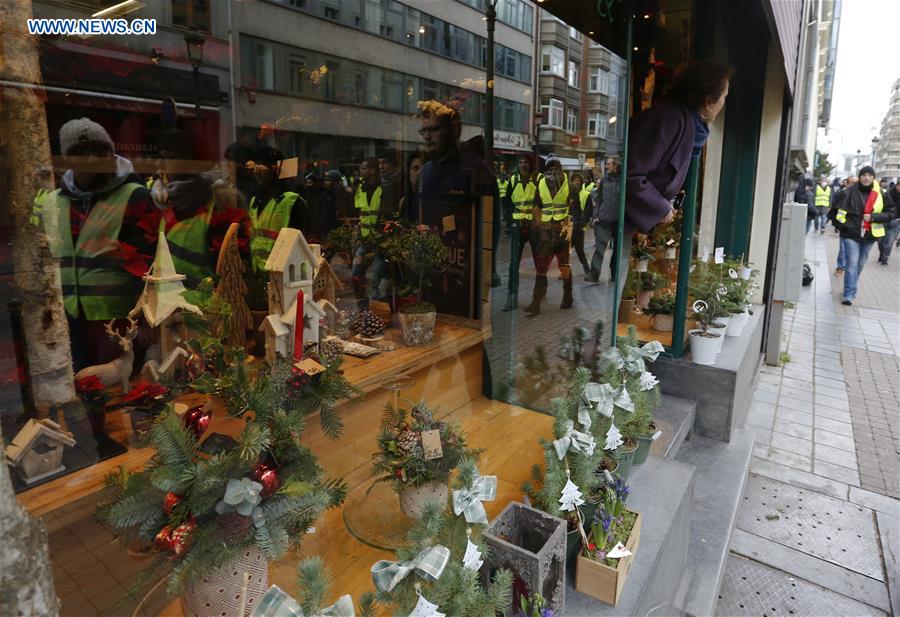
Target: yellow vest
878,206
555,208
523,197
368,210
823,197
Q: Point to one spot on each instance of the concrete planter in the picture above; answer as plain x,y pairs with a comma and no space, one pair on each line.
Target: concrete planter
414,498
604,582
532,544
704,348
218,593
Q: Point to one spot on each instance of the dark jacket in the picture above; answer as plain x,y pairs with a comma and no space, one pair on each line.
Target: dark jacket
660,142
809,198
605,199
853,200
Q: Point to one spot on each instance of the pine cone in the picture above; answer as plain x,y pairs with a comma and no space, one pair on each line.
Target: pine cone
233,526
331,351
407,442
368,324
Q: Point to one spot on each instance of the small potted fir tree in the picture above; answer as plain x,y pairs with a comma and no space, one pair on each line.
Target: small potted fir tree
422,255
662,307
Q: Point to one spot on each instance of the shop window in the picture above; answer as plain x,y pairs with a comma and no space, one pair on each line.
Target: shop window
191,14
553,60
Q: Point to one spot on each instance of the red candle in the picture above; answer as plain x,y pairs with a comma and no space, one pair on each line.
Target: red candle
298,328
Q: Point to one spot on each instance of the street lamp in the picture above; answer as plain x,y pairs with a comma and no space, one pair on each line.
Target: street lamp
874,145
491,14
194,43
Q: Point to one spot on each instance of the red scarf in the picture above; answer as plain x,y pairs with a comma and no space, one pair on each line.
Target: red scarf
874,194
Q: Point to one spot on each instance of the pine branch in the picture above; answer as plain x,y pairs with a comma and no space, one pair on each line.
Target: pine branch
174,443
314,583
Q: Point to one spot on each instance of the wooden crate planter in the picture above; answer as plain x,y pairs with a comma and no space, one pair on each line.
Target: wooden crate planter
532,544
601,581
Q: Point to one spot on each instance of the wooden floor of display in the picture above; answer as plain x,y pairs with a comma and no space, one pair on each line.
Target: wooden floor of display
448,376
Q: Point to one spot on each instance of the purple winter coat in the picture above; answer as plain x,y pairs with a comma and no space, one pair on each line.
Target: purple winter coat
660,142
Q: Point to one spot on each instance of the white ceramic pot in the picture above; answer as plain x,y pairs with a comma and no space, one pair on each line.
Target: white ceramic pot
218,593
418,328
704,348
671,252
746,272
641,265
663,323
736,323
414,498
723,326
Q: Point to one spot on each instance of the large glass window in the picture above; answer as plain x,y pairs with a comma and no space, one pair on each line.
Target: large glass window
191,14
571,119
553,113
553,60
598,80
574,74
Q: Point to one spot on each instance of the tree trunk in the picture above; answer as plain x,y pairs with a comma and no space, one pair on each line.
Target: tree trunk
26,580
25,167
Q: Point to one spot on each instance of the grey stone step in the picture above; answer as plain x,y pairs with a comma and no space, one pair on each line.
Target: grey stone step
675,418
722,470
662,492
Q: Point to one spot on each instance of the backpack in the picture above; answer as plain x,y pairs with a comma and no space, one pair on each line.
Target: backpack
807,275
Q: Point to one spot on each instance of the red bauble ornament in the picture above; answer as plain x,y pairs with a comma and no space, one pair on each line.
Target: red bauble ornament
267,475
176,540
169,502
196,419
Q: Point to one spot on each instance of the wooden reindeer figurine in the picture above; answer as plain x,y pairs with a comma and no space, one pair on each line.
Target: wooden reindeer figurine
119,370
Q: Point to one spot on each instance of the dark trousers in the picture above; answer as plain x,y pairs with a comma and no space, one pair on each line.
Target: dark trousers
520,235
578,245
552,244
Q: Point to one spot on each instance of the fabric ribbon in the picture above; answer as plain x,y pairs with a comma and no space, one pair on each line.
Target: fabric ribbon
428,564
574,440
467,501
636,356
277,603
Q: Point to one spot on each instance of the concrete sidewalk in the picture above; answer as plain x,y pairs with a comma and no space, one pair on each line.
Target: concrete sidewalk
818,532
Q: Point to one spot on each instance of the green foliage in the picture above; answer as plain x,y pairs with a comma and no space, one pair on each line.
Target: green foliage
400,457
823,166
652,281
661,304
459,591
416,252
642,249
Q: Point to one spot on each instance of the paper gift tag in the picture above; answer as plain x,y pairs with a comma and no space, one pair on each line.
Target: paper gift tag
448,223
618,551
670,242
720,255
289,168
431,444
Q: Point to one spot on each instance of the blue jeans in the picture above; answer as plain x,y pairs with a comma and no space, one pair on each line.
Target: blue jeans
841,261
856,253
822,219
886,244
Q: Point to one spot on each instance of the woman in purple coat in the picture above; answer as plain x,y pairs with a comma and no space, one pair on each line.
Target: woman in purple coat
662,141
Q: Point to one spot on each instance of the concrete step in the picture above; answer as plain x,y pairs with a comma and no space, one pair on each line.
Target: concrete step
675,418
662,491
722,470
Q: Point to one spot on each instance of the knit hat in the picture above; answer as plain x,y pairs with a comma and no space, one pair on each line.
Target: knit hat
868,169
83,130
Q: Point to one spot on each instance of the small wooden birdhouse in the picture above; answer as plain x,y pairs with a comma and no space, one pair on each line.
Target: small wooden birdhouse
36,451
326,283
224,432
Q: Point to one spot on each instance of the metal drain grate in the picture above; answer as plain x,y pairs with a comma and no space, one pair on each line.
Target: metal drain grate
824,527
751,588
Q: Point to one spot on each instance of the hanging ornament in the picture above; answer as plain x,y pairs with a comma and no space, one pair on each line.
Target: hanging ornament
571,497
648,381
613,438
424,608
196,419
472,559
267,475
169,502
176,540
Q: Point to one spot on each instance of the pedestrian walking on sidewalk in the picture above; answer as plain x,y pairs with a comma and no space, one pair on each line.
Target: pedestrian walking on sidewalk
841,266
605,214
823,203
886,244
861,214
806,196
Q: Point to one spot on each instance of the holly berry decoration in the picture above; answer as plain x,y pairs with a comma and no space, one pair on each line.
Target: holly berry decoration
298,380
176,540
169,502
368,324
267,475
196,419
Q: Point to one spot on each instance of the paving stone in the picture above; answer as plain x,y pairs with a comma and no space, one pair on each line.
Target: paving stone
844,442
791,459
791,415
836,472
792,444
875,501
794,429
834,426
842,415
797,477
796,404
830,401
765,397
837,456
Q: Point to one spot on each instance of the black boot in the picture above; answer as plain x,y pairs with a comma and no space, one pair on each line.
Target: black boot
540,292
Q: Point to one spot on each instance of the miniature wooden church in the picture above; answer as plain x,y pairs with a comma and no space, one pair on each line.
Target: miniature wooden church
161,303
291,266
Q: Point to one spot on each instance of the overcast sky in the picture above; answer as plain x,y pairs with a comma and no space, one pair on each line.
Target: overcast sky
868,63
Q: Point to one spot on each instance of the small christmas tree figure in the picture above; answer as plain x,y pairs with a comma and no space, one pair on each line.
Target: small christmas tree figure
613,438
424,608
232,287
571,497
472,559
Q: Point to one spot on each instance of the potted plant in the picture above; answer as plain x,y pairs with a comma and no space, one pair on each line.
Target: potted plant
629,294
705,345
615,532
662,307
416,455
642,255
649,283
422,254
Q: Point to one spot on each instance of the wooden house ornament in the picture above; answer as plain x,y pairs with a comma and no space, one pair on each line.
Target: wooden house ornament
36,451
326,283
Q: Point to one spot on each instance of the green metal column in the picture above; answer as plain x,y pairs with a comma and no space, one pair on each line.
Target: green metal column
684,258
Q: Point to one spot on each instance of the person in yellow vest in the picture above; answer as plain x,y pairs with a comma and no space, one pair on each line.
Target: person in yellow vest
271,206
823,203
861,214
373,210
101,224
554,234
502,191
522,192
580,209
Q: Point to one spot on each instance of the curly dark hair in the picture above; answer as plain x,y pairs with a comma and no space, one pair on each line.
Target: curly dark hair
699,83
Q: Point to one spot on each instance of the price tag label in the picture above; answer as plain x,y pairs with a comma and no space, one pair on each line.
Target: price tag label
671,242
448,223
720,254
431,444
705,257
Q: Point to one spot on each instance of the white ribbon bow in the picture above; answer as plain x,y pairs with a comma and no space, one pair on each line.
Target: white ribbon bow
574,440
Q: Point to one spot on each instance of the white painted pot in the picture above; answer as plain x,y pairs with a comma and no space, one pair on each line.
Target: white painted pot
671,252
723,322
704,348
746,272
736,323
641,265
414,498
663,323
218,593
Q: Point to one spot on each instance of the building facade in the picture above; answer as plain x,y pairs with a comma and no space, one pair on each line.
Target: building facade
887,150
